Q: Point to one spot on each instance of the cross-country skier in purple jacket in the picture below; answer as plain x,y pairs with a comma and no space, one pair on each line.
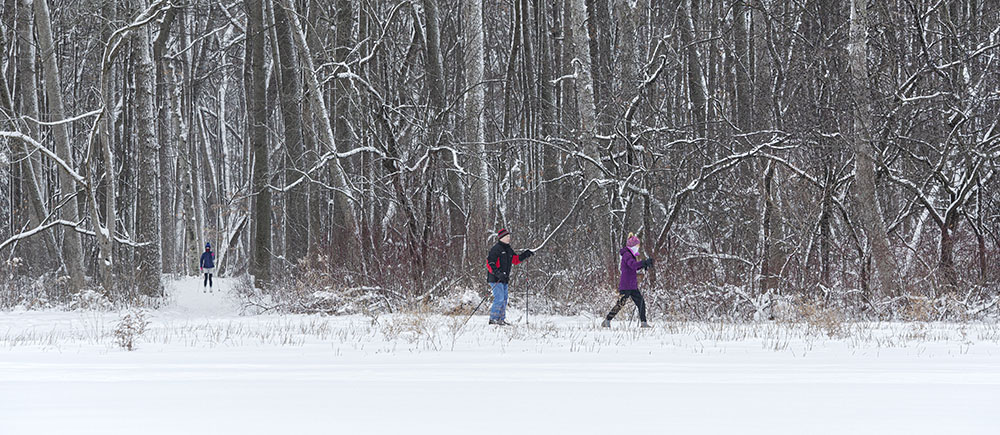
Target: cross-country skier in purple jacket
628,285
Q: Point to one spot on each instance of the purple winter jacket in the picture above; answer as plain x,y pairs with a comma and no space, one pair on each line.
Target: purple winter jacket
630,265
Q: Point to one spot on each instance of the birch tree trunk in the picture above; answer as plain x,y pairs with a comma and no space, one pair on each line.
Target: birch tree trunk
867,205
584,82
475,133
26,73
149,263
697,92
72,249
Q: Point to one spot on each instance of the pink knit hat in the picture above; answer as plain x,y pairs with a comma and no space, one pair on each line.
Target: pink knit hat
632,240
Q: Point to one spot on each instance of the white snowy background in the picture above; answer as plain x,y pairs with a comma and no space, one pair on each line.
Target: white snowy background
201,367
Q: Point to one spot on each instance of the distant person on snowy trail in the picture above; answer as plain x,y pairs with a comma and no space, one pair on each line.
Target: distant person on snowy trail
498,265
628,285
207,266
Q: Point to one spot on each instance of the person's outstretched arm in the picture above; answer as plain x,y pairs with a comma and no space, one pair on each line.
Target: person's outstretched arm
632,263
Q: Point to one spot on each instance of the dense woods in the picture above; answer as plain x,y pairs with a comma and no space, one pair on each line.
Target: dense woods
840,151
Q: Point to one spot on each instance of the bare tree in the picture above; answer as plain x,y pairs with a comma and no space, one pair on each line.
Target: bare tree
71,245
868,206
150,266
475,132
257,114
297,211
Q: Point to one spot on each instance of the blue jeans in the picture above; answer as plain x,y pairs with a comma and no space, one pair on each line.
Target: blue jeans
498,311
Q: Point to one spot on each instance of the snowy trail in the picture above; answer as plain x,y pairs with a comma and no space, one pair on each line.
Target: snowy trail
202,368
189,299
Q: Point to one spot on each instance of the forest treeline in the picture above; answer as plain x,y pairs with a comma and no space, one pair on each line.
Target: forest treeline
764,145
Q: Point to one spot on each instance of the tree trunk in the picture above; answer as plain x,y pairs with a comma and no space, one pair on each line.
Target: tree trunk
599,28
570,113
509,113
587,132
324,130
26,73
149,263
437,116
773,253
72,249
166,151
744,87
584,82
825,227
867,204
980,238
257,119
697,93
947,257
344,235
296,206
475,132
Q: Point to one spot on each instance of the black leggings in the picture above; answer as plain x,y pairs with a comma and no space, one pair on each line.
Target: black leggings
208,280
626,295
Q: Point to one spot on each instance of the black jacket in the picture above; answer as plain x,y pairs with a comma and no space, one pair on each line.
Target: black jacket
499,261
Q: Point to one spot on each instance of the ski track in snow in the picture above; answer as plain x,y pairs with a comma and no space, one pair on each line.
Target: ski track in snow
203,368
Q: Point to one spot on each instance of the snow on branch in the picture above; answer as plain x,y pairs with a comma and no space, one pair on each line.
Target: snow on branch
576,73
72,225
705,173
332,155
114,42
65,121
69,170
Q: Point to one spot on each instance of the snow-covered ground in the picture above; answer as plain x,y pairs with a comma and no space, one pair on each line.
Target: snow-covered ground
202,368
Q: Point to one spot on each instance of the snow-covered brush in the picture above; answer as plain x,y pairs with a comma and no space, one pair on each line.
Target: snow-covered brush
131,326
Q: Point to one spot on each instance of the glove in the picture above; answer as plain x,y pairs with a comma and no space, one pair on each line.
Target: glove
524,255
202,269
650,260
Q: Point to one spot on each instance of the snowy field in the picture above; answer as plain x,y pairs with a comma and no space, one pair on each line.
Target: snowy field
202,368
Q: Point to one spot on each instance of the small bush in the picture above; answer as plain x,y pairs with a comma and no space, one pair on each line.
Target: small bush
824,319
131,326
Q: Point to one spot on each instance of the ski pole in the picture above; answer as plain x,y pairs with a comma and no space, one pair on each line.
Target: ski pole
474,311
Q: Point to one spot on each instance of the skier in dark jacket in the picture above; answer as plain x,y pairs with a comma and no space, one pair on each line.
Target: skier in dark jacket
207,266
498,265
628,285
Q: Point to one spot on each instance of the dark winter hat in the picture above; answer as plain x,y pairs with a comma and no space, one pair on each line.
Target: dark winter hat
502,232
208,245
